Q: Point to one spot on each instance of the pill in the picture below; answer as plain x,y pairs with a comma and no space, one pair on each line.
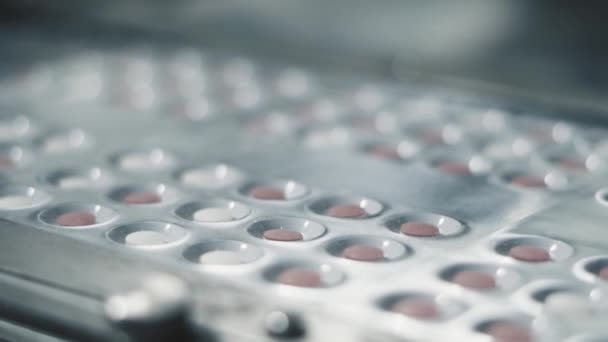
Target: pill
73,183
529,253
76,218
346,211
143,197
420,229
418,308
221,258
508,332
363,253
529,182
267,193
282,235
571,164
384,152
202,179
15,201
603,273
454,168
474,279
300,277
6,162
213,215
58,143
141,161
430,136
145,238
567,304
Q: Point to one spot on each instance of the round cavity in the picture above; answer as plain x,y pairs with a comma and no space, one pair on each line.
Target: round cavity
304,275
15,197
146,234
464,165
573,162
144,160
588,338
403,150
77,215
274,191
529,253
213,211
210,177
286,229
422,306
13,127
436,134
418,308
64,141
562,299
271,123
346,207
367,249
223,253
531,249
593,269
567,302
135,195
11,156
507,331
546,132
424,225
481,277
602,196
327,136
509,149
535,180
73,179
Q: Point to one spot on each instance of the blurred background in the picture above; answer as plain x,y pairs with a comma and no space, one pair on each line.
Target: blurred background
549,49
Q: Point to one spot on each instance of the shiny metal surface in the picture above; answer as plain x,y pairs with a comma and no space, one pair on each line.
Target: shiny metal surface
121,122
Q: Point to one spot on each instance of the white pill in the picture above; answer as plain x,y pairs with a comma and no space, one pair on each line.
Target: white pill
57,144
73,183
15,201
137,162
567,304
212,215
221,258
202,179
145,238
8,132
